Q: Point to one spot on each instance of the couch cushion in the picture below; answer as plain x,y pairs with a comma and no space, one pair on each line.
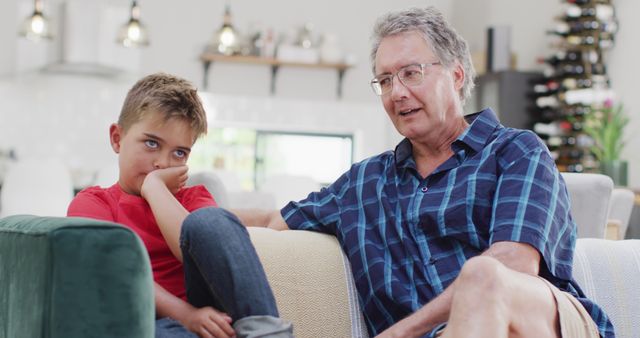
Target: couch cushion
311,280
609,274
73,277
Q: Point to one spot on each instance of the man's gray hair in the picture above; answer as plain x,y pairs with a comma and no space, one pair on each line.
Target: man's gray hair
445,42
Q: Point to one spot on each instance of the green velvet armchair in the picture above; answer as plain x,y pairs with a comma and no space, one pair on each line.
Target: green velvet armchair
73,278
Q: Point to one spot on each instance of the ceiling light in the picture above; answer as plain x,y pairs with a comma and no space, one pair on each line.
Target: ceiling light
37,26
133,33
226,40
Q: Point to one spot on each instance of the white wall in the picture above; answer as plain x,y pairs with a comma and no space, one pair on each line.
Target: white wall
624,70
176,47
528,21
68,116
8,31
179,31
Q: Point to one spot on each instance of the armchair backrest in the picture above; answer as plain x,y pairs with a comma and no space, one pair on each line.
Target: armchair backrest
214,185
73,278
287,188
590,195
620,208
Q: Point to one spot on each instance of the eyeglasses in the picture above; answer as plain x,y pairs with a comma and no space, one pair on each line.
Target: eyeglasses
411,75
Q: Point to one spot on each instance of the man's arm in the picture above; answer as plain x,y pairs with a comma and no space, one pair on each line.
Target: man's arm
271,219
516,256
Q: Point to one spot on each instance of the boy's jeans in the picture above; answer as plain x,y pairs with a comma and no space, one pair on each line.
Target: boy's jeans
222,270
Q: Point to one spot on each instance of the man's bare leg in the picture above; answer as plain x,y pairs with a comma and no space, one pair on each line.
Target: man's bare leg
491,300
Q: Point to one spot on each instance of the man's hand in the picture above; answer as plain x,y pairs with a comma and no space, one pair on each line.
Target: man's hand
207,322
174,178
405,328
392,332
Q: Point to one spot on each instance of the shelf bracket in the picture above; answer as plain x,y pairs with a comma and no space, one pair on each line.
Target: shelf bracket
205,80
274,72
340,78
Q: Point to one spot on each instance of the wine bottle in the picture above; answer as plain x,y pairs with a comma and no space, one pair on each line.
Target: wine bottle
565,28
547,88
570,167
573,12
576,110
606,40
570,83
609,26
558,141
604,12
570,155
557,128
583,26
575,168
580,40
578,2
549,129
547,101
570,69
598,69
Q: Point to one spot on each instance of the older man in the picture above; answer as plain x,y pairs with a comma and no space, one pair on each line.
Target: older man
464,230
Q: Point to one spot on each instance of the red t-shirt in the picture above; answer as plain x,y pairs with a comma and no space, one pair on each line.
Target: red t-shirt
114,205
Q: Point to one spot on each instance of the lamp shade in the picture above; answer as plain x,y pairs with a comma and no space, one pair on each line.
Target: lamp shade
37,26
226,40
133,33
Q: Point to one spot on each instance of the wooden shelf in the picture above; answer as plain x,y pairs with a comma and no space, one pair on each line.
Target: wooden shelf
208,58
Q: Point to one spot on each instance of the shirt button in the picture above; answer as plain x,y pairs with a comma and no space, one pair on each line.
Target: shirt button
424,189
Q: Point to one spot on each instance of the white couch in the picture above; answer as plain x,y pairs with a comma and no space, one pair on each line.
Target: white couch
312,281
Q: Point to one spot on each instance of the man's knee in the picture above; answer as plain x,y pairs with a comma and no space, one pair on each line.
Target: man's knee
482,274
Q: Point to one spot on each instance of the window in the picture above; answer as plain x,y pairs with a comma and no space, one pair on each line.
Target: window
253,155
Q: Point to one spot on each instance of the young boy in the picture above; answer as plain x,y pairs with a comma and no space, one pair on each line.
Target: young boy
210,284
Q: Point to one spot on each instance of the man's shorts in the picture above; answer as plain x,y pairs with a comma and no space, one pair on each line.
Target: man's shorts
575,321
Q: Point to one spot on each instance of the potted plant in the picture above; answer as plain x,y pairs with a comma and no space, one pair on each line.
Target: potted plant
605,126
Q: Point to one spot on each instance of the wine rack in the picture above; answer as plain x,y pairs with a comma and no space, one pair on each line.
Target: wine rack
575,81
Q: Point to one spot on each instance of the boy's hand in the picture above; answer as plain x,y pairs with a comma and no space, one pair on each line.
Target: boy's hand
174,178
207,322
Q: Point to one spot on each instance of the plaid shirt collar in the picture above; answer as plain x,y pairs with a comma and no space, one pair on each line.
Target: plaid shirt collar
474,138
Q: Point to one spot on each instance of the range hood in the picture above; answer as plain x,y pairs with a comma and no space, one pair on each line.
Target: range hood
86,40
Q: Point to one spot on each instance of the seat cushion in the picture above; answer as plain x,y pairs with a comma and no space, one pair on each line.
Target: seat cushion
73,277
311,281
609,274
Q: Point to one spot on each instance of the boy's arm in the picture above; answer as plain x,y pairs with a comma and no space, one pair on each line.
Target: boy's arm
261,218
157,189
202,321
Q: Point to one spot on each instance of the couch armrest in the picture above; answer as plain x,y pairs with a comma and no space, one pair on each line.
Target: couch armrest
73,277
312,282
608,272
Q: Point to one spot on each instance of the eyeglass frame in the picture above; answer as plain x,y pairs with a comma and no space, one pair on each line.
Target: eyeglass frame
375,82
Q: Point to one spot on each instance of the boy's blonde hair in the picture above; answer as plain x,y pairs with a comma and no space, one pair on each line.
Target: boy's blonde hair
167,95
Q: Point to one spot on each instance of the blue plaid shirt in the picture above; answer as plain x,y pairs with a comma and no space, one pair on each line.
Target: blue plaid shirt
407,237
